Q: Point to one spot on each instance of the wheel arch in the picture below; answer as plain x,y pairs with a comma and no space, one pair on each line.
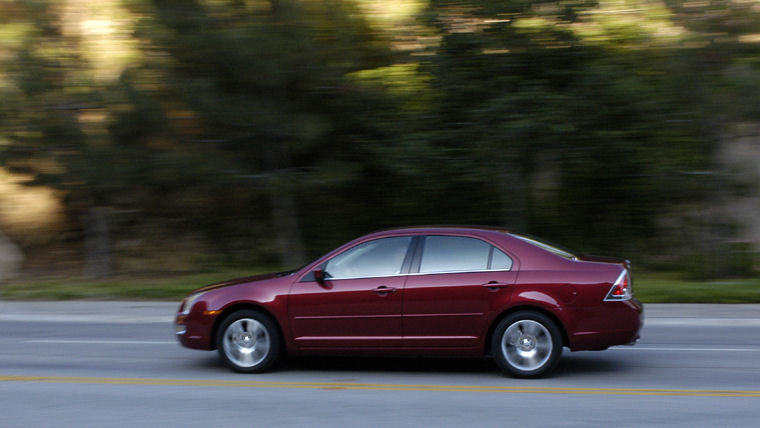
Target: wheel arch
244,306
528,308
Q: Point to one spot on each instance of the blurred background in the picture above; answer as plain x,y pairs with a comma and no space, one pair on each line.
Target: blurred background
169,136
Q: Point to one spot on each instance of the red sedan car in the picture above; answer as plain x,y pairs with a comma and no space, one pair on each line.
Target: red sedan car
422,291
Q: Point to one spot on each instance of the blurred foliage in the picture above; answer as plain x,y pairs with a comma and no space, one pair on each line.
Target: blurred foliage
266,132
648,287
173,287
673,288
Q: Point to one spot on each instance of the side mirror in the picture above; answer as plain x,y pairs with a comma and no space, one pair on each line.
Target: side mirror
319,276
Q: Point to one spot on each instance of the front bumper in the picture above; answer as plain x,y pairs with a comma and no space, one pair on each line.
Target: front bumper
194,330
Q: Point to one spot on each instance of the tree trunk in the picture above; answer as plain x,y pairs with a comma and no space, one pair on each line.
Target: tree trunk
284,210
285,221
513,198
280,186
10,258
97,243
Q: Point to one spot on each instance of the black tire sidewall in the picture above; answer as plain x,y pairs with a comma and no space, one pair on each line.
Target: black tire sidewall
274,336
501,360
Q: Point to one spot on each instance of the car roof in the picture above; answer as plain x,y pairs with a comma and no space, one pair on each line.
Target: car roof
442,229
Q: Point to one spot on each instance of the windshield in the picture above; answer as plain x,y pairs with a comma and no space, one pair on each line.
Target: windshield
548,246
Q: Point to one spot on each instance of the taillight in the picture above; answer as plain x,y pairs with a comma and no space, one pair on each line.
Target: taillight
621,289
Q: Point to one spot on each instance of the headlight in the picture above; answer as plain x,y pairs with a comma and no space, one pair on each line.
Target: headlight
188,303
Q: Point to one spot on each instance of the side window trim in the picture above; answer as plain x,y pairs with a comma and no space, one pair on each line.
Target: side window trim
413,254
414,268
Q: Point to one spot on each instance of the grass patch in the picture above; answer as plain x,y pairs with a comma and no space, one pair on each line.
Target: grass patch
671,288
119,288
648,287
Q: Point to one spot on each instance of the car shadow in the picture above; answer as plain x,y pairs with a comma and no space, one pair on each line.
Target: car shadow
388,364
588,363
570,365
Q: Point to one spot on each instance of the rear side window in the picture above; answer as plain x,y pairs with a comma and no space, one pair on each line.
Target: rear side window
461,254
500,261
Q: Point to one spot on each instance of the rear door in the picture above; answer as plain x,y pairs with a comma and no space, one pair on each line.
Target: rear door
454,282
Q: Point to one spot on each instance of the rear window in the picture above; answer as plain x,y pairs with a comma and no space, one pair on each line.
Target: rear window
548,246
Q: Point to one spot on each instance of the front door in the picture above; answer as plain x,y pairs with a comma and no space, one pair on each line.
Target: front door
358,305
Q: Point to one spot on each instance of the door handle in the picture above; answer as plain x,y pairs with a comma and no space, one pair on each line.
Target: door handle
495,285
383,290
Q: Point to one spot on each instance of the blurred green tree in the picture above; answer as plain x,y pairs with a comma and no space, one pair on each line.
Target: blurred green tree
47,92
265,82
270,130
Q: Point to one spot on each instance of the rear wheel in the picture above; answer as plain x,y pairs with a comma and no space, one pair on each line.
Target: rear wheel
526,344
248,341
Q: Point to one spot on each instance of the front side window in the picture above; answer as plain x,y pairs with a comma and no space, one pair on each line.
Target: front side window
380,257
461,254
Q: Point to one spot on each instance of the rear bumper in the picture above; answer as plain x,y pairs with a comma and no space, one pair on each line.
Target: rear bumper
619,323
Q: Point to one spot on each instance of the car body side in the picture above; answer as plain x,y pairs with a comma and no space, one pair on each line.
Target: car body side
570,291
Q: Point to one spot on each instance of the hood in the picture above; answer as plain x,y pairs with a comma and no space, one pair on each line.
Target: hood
243,280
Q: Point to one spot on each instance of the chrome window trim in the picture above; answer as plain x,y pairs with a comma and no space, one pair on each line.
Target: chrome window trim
421,273
485,241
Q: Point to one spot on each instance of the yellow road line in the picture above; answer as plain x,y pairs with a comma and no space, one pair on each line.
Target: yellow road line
383,387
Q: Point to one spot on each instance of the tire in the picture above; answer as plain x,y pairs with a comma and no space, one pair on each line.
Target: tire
526,344
248,341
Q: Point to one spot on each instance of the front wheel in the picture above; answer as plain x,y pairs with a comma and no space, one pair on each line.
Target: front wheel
526,344
248,341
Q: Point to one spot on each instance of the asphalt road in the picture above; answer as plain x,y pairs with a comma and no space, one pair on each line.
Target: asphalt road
117,364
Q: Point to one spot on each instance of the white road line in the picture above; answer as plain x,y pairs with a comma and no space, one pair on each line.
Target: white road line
103,342
641,348
90,319
702,322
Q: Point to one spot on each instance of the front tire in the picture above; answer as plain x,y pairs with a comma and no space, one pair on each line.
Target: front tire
248,341
526,344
